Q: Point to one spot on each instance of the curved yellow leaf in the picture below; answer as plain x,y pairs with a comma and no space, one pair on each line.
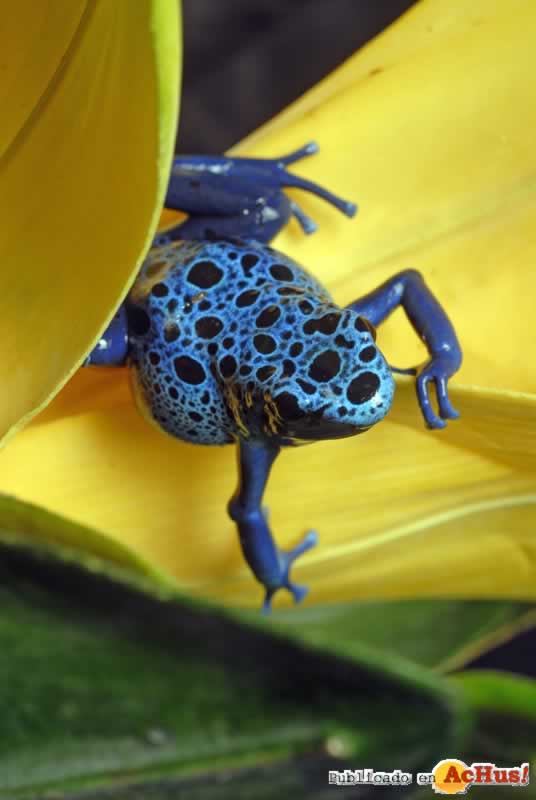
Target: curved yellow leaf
89,114
47,30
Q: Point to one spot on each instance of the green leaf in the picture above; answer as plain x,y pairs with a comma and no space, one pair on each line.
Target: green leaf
505,707
441,634
113,676
499,692
104,682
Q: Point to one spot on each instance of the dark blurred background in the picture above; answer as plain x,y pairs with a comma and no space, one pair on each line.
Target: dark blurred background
244,61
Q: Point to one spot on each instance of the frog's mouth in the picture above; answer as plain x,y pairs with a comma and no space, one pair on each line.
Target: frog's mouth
286,421
312,429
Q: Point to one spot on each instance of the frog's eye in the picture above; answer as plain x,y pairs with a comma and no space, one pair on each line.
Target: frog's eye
362,324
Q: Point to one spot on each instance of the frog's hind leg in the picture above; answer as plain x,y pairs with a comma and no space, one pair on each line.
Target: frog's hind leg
259,222
241,197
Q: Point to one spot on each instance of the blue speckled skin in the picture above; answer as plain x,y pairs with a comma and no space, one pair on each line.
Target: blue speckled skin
235,340
232,341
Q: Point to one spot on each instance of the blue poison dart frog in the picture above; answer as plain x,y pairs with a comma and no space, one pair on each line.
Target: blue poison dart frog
231,341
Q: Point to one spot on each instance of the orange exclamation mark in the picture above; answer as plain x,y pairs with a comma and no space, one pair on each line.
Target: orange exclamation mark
525,774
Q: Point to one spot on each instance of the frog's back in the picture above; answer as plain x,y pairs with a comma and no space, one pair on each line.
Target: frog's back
221,270
206,314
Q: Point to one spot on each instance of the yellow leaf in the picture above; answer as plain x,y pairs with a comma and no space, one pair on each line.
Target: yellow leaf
400,511
434,142
89,98
430,130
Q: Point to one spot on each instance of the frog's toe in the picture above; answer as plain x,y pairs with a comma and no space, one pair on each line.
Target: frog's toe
289,556
298,593
267,605
309,149
286,559
446,409
307,224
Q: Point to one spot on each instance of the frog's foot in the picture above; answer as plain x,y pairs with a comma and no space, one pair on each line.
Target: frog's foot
286,559
287,179
437,371
241,197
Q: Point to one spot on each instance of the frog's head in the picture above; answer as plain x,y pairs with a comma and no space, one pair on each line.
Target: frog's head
332,383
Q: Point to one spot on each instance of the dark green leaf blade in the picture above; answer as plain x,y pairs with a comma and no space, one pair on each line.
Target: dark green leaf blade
101,682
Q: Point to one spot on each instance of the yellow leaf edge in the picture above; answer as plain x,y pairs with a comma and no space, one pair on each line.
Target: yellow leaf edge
30,527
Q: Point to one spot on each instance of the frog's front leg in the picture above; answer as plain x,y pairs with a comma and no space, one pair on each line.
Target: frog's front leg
240,197
270,565
112,348
431,323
